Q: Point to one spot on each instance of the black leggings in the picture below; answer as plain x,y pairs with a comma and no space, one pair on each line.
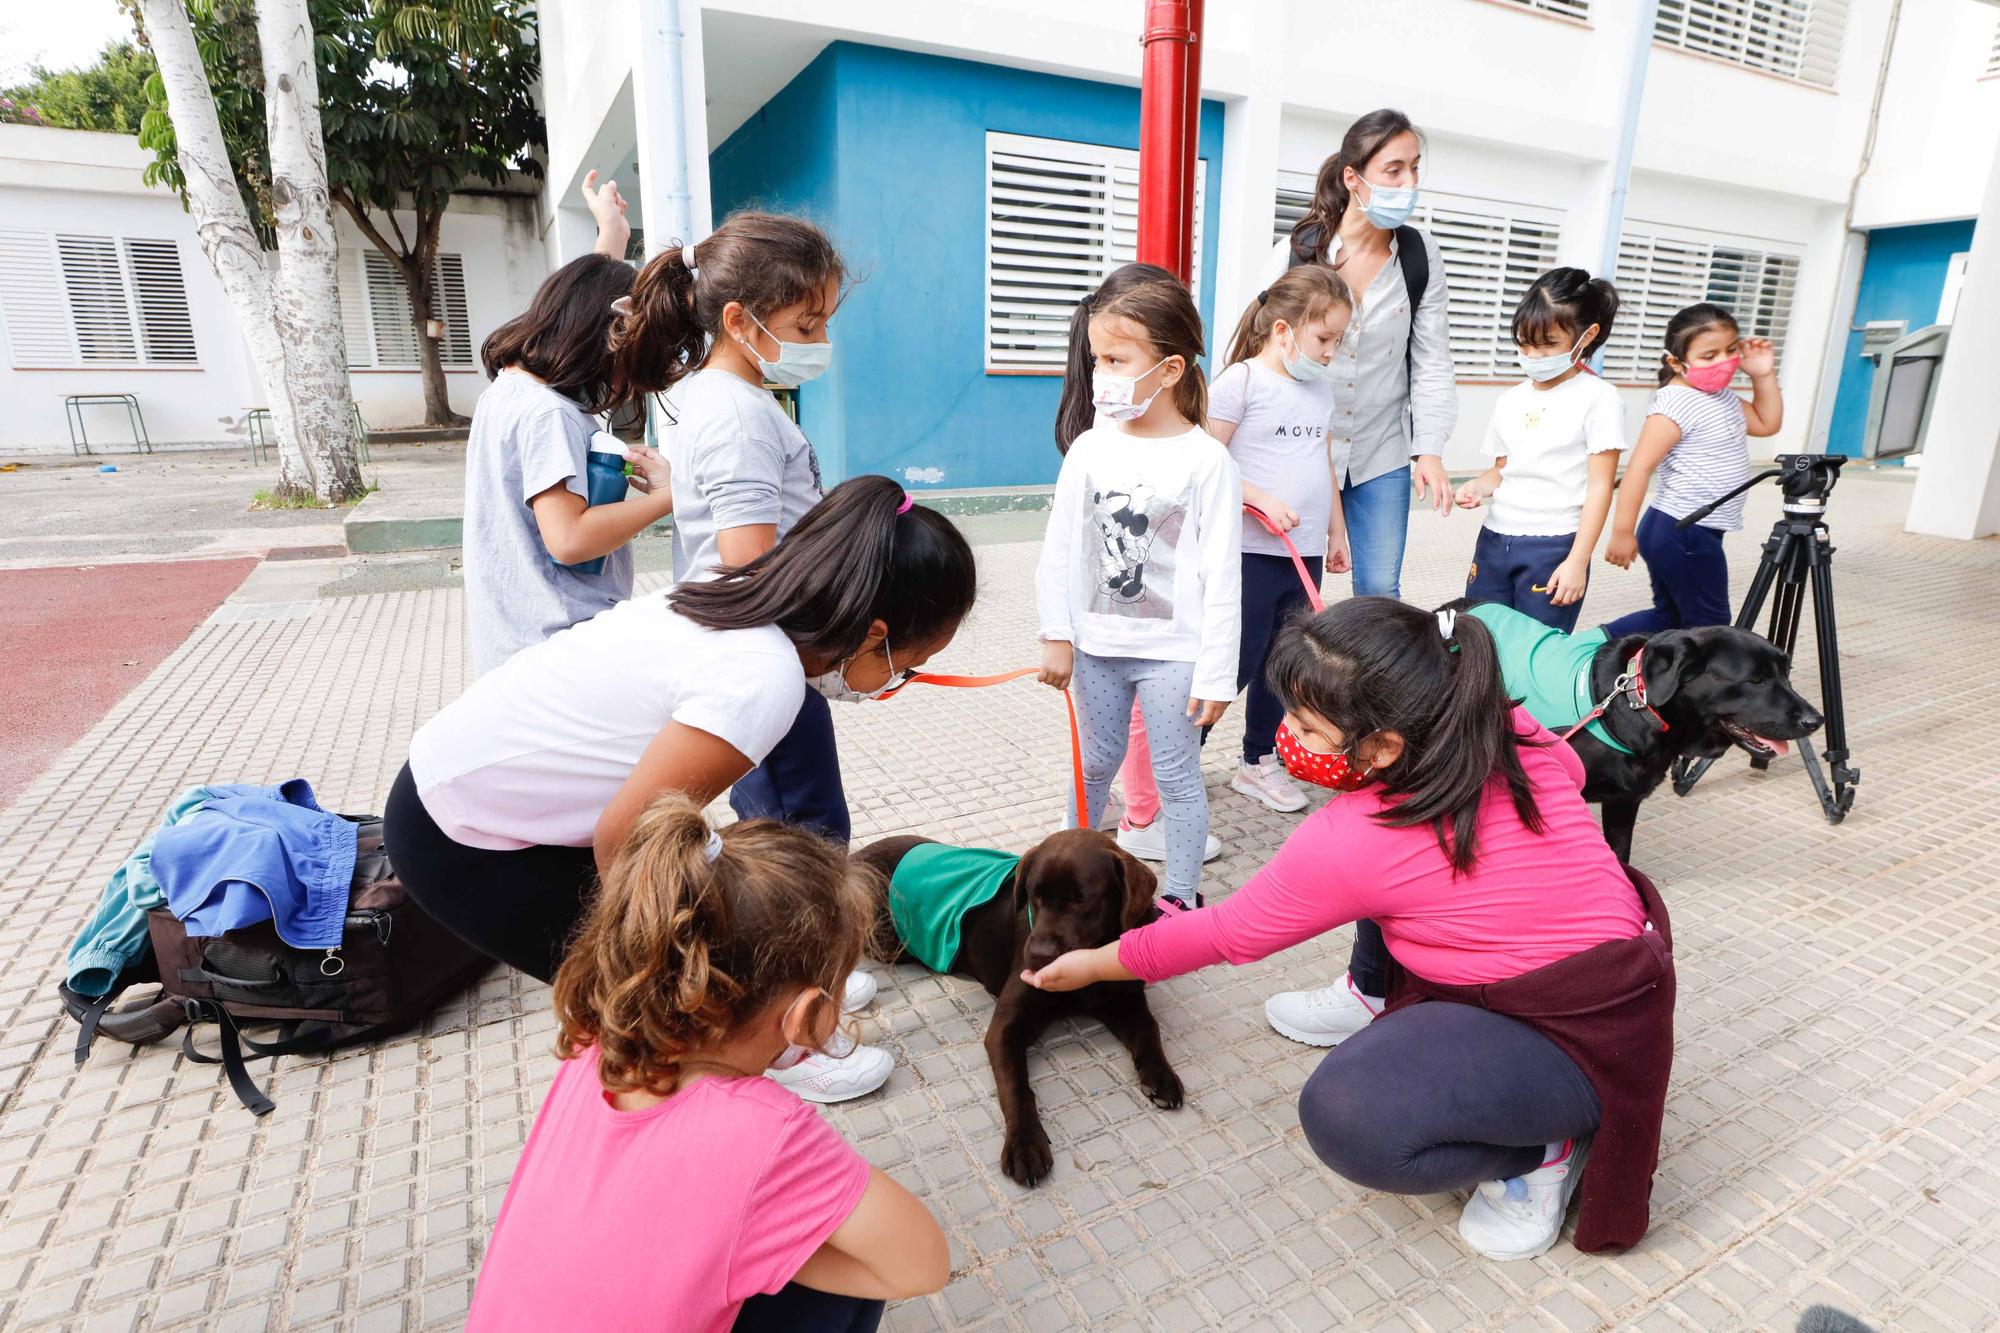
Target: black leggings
520,907
796,1309
1441,1096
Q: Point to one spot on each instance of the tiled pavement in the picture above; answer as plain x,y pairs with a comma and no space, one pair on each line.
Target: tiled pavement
1833,1132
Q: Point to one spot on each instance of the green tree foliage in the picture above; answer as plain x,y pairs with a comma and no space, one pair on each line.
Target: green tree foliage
109,95
419,100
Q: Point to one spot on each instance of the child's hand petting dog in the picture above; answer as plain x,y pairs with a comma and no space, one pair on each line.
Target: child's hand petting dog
1058,663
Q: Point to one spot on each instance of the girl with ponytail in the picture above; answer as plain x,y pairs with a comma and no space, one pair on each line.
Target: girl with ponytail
1546,964
519,792
1271,407
692,1190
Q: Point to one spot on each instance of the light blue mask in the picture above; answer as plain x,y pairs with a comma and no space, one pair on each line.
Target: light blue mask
1544,368
1306,370
1389,206
796,363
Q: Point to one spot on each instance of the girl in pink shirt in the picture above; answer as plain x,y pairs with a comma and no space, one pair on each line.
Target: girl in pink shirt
1464,836
667,1184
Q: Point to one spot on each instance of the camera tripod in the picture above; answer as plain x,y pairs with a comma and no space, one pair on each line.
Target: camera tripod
1797,556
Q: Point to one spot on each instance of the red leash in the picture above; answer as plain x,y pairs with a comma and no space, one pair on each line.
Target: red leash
980,682
1298,561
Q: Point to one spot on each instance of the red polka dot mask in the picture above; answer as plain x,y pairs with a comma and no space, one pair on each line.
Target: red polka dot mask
1337,771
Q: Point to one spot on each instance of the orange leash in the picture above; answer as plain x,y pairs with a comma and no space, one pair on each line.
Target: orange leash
980,682
1298,561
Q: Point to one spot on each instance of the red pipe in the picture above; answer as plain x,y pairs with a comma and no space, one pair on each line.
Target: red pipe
1169,102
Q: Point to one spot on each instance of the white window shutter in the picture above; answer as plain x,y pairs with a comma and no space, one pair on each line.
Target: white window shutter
389,311
33,305
1060,217
166,328
1662,270
1573,9
1993,56
354,313
1798,39
449,285
379,332
98,303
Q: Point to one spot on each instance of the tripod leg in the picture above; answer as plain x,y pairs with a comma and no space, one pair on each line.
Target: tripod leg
1841,799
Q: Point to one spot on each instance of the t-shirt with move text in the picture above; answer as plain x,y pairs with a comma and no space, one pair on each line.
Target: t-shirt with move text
738,461
666,1218
1711,459
525,438
1547,437
1280,446
533,752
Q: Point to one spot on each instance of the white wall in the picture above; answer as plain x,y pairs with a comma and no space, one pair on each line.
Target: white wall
1940,118
66,180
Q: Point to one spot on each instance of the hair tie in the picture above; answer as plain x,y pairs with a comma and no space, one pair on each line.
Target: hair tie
1447,622
622,306
909,501
687,259
714,848
1263,296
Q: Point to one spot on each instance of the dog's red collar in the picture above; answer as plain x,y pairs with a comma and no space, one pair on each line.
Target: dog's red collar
1632,684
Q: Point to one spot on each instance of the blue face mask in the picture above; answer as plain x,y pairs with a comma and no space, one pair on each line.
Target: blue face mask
1388,206
1544,368
1304,369
796,363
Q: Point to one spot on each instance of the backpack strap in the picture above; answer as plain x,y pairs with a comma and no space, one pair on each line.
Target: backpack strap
1414,258
1304,246
231,1059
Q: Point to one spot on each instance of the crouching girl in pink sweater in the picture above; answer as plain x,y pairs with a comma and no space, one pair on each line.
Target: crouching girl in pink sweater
1525,1014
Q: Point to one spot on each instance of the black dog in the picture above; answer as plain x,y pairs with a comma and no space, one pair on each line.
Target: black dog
1696,693
1083,890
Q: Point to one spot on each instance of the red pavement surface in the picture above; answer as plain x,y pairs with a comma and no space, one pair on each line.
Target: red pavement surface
73,641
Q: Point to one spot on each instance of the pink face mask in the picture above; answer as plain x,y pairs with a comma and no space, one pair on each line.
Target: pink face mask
1714,377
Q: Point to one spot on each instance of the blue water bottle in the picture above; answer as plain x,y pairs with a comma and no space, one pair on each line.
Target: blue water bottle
604,483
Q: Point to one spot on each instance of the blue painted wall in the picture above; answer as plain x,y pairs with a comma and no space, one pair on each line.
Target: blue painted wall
1902,278
902,188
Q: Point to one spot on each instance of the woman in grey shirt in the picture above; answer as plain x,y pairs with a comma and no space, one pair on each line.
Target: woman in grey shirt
1395,395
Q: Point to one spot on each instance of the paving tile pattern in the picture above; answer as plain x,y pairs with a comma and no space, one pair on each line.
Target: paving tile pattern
1833,1132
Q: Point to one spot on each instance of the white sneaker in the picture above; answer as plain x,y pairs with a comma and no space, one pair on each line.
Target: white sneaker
1267,783
860,991
1323,1017
826,1079
1520,1218
1150,843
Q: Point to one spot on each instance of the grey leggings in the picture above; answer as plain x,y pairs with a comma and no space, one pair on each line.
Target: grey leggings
1103,689
1441,1096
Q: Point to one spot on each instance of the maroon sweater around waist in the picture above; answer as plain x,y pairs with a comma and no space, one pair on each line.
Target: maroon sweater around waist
1611,1010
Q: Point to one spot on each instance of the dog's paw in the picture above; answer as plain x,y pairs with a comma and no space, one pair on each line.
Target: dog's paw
1163,1086
1026,1157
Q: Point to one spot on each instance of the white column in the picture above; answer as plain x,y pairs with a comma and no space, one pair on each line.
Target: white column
571,234
1250,127
659,112
1958,488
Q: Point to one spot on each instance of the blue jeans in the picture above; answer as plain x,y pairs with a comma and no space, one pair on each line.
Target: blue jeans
1515,572
799,781
1378,525
1690,578
1272,594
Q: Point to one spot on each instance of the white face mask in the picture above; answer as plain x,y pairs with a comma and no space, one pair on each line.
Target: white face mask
1112,394
833,684
796,363
1302,367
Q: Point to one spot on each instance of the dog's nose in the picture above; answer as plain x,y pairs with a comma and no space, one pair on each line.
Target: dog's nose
1040,952
1810,719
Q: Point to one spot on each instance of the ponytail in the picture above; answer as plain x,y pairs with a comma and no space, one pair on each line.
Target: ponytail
1304,293
1312,237
1685,327
694,932
1159,304
1374,664
762,261
860,555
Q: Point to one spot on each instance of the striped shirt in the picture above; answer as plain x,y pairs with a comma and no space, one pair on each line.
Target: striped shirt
1712,458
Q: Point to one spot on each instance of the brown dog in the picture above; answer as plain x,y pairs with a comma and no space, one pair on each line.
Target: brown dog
1081,890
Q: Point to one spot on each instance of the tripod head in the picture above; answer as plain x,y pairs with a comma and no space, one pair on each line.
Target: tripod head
1806,479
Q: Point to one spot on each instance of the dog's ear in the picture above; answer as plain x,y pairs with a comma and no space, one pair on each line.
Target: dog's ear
1023,875
1672,657
1141,887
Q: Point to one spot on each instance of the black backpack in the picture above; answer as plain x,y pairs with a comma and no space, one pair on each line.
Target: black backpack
393,965
1412,256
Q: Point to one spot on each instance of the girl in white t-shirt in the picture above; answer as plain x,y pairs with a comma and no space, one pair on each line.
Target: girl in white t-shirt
1271,406
1139,586
1554,439
518,791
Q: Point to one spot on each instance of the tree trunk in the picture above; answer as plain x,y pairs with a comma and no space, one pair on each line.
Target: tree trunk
305,295
420,273
223,226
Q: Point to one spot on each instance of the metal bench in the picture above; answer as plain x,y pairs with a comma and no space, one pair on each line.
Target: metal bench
257,422
79,437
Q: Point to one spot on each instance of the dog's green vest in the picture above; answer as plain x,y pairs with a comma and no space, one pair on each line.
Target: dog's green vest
934,887
1546,669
